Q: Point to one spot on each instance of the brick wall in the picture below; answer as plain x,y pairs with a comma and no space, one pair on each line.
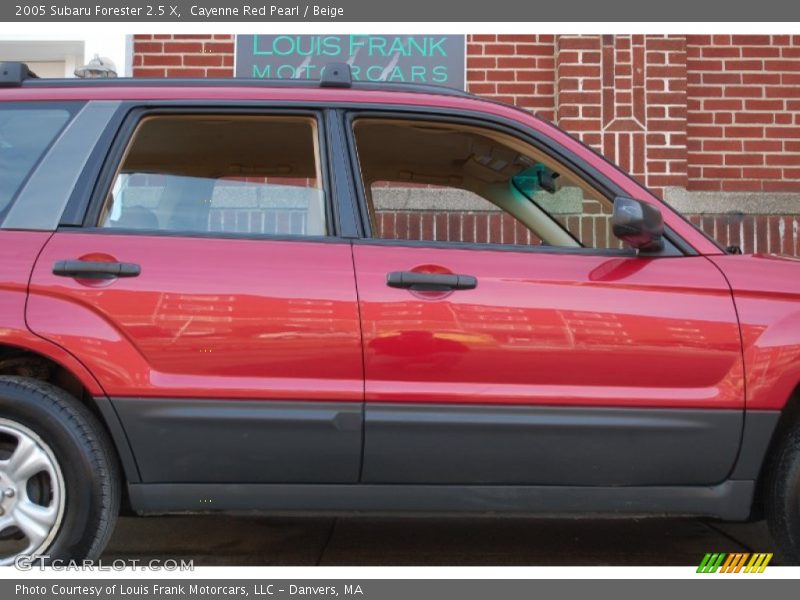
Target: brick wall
183,55
711,123
743,113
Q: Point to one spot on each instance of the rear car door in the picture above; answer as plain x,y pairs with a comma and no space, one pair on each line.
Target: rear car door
208,291
509,338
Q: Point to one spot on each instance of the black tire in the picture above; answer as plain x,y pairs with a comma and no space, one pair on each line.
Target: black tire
85,456
782,497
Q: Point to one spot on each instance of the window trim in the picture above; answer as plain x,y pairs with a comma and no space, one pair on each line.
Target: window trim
72,108
107,172
674,244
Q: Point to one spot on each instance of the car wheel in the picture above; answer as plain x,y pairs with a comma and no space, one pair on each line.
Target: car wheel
782,498
59,486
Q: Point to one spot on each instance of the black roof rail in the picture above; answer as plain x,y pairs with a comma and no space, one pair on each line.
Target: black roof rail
13,74
334,75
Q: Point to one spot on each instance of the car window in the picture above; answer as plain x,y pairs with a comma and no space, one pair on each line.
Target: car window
442,182
404,211
220,174
26,132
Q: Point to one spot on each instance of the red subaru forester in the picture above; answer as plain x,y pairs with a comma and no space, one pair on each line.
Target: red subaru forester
342,296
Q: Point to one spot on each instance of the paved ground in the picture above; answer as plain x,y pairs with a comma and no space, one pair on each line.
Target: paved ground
249,540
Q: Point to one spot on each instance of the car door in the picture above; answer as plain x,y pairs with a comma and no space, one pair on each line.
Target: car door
210,295
509,338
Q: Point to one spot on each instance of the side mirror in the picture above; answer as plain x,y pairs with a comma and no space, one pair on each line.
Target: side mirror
639,224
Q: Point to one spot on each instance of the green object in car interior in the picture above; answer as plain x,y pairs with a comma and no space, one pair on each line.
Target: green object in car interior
535,178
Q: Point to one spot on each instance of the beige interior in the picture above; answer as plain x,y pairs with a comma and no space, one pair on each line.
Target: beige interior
205,149
471,158
225,146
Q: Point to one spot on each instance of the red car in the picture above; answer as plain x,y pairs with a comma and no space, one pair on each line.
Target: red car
342,296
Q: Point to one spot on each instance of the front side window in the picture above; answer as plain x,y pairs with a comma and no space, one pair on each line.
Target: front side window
441,182
231,174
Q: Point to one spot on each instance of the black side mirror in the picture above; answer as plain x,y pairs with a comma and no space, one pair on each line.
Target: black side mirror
639,224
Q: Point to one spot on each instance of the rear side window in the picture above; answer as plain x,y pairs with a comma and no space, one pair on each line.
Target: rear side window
225,174
26,132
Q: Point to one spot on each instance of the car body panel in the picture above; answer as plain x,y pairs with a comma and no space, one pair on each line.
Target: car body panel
544,329
207,317
18,252
466,377
766,289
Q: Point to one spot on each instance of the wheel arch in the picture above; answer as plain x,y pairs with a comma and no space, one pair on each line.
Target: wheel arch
44,361
788,421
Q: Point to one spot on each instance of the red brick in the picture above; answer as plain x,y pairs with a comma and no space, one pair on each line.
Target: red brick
578,43
763,104
500,75
507,49
792,160
722,104
723,77
221,72
665,44
222,47
743,92
704,131
761,52
186,72
764,173
704,65
782,132
761,78
763,145
149,72
516,62
162,60
744,65
578,71
722,145
744,132
516,38
781,186
782,65
183,47
743,159
706,159
533,50
751,40
755,117
721,173
721,52
147,47
202,60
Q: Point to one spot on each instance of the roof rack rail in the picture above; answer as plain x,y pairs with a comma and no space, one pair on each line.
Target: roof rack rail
334,75
12,74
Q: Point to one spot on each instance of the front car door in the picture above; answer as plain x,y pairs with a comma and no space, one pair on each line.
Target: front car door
509,338
209,294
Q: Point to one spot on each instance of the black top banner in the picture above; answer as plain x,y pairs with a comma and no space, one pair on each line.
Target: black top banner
254,11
